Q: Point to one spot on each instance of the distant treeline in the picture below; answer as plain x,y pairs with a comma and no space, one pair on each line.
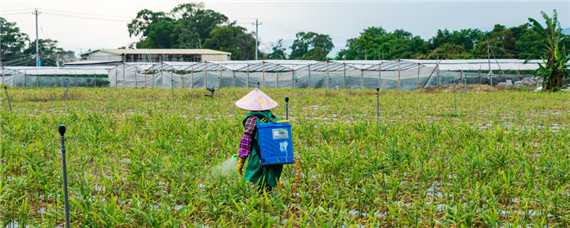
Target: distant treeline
191,25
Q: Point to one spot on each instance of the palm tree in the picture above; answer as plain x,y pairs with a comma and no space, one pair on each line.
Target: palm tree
553,70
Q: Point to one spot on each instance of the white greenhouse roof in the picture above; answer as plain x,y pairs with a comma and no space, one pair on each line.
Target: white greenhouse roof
286,66
276,66
60,71
480,64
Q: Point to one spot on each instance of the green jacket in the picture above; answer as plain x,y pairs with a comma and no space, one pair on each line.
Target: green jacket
264,176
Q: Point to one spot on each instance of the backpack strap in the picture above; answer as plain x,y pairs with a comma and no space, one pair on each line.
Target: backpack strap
261,117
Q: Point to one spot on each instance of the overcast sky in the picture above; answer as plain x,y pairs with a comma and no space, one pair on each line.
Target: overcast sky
80,24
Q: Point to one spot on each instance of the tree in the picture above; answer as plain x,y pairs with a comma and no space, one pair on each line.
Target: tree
186,26
13,42
553,70
50,53
448,51
499,43
528,44
278,51
196,23
311,46
466,38
234,39
160,34
376,43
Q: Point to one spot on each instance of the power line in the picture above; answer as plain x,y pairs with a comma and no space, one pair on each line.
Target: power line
86,17
85,14
16,10
10,14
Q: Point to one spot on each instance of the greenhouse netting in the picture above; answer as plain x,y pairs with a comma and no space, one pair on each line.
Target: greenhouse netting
276,74
55,76
403,74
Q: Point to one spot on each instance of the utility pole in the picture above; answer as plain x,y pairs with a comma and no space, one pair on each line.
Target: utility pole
257,24
1,54
38,62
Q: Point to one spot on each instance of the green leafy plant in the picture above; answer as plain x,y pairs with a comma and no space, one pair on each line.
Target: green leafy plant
554,69
145,158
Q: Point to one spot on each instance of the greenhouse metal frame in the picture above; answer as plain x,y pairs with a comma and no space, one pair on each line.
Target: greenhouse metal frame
386,74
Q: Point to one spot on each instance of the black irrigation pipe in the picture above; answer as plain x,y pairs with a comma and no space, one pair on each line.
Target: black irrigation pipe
377,106
287,108
61,130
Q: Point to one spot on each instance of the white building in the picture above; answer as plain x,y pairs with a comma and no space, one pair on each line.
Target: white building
118,56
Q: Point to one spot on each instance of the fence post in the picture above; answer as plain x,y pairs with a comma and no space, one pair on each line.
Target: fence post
418,81
361,78
171,76
399,69
276,80
479,73
206,76
309,76
146,80
328,76
438,77
378,106
220,77
380,75
124,70
262,74
136,79
344,75
234,78
8,98
293,78
191,79
116,76
247,82
464,80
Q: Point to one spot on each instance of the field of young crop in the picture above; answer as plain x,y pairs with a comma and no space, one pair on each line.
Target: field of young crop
144,157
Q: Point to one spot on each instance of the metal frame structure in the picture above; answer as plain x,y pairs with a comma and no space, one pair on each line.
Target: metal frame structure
400,74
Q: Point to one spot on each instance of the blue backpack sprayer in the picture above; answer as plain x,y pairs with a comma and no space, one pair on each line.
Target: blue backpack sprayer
275,141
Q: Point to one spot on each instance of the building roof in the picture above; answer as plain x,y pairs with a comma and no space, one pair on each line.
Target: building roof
164,51
92,62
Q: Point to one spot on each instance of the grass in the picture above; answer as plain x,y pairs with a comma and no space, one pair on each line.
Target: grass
142,157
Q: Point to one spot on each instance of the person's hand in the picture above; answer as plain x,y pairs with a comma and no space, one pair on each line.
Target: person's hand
240,164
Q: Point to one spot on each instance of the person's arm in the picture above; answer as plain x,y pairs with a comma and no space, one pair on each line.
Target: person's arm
247,137
245,143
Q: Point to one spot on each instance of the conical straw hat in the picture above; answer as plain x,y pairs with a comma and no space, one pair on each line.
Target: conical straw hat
256,100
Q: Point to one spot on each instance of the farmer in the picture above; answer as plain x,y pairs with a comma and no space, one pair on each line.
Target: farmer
259,105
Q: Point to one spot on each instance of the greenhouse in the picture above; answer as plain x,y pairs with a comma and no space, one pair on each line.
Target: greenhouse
55,76
405,74
388,74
